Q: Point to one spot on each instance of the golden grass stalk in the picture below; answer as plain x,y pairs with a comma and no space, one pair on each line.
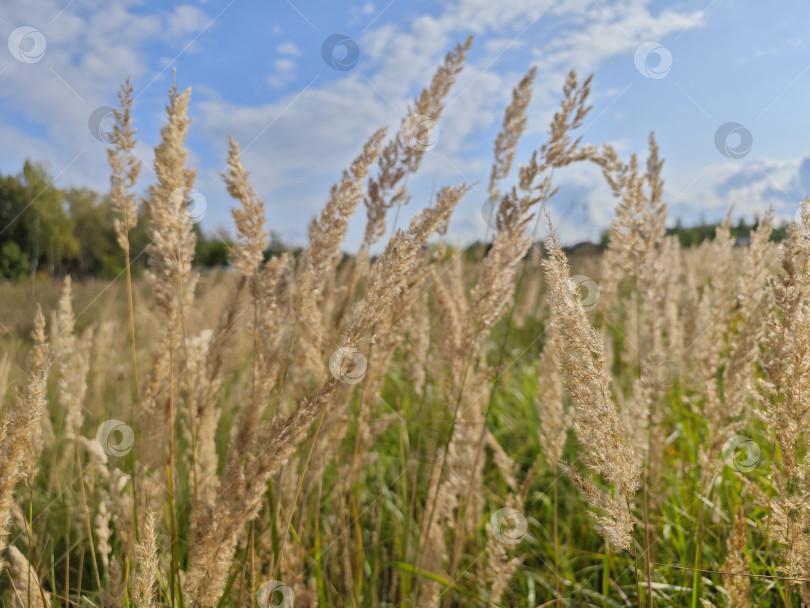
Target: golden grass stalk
555,421
5,369
597,422
495,286
320,259
752,299
72,359
402,155
783,392
171,253
146,555
243,485
126,167
514,124
20,426
737,582
28,591
172,238
248,254
464,459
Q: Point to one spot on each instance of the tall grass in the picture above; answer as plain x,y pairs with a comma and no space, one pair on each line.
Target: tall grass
421,428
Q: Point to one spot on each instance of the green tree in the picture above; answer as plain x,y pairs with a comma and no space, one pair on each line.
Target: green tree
92,216
13,262
275,247
33,216
211,252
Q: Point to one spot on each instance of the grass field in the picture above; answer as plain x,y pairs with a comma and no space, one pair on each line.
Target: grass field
499,426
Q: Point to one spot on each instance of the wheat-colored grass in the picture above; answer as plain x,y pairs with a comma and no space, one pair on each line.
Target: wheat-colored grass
419,427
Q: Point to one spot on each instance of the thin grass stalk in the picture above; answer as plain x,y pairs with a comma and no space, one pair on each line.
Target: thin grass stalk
191,413
635,556
602,442
555,524
511,242
606,563
417,566
319,578
87,522
81,574
698,556
252,563
647,569
125,170
461,513
33,572
174,577
131,314
67,553
300,486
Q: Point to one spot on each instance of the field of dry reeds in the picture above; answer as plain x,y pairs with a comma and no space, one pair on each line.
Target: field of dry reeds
423,427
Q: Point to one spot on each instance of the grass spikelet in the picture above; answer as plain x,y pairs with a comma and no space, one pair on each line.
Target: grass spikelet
27,588
403,154
144,585
20,446
587,380
171,249
514,124
126,167
737,582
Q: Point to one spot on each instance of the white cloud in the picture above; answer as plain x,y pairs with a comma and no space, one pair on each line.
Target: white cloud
284,73
91,47
185,20
360,13
284,65
751,185
328,123
289,48
598,39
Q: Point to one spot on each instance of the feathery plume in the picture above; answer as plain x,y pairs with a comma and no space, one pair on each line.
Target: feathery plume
243,486
126,167
512,240
786,361
514,124
173,240
597,422
248,217
28,591
22,425
554,420
72,359
403,154
143,587
737,581
320,259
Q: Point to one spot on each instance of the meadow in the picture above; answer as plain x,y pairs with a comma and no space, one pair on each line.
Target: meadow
426,426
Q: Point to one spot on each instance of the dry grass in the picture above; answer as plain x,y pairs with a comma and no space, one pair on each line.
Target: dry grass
418,429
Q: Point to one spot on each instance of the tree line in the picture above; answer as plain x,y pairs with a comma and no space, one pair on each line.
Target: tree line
53,231
694,235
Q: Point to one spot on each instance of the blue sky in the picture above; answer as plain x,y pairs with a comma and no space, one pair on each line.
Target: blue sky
257,73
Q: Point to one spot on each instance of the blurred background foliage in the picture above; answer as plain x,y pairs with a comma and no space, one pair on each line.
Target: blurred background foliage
55,232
